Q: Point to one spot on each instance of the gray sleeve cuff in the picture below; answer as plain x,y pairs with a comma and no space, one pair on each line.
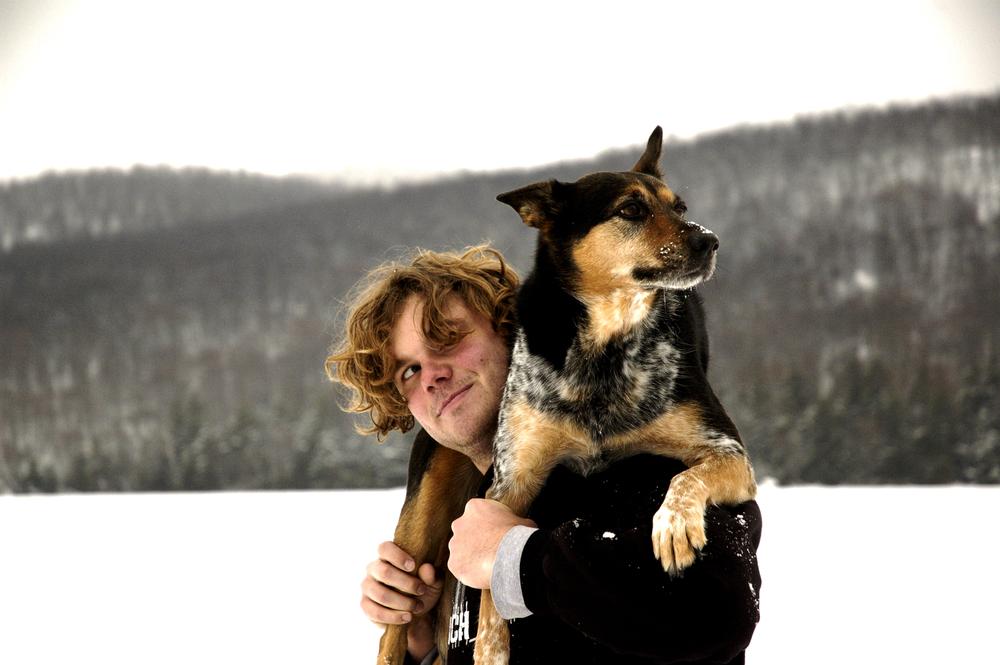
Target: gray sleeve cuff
505,583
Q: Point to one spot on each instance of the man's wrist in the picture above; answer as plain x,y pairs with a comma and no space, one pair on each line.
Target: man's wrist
505,582
420,638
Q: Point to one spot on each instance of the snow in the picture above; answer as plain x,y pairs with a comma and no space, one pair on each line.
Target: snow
861,575
865,280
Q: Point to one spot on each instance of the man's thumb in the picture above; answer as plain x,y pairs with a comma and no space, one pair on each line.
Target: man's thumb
428,575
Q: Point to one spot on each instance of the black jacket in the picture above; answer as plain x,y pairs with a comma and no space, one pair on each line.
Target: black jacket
599,596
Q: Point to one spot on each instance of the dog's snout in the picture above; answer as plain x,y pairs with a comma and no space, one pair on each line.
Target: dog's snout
702,243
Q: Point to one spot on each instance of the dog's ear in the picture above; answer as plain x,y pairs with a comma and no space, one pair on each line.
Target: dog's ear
649,163
537,204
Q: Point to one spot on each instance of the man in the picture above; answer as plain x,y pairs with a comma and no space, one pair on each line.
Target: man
428,342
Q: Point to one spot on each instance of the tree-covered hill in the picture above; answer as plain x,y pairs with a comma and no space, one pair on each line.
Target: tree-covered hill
101,203
854,316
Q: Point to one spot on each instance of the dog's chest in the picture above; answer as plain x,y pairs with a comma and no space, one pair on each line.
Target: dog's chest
623,385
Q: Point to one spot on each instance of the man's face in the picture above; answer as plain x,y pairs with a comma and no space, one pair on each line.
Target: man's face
454,393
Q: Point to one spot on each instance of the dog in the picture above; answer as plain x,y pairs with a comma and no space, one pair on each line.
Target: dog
609,360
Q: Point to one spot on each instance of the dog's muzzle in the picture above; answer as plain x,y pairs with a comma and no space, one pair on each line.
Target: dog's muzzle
702,243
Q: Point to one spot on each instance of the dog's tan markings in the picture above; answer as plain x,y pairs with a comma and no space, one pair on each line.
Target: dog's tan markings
540,443
681,433
678,433
492,634
446,486
615,303
616,314
602,261
666,196
608,255
665,230
425,526
665,238
638,193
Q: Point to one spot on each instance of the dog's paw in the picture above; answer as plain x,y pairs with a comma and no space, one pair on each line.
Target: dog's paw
678,534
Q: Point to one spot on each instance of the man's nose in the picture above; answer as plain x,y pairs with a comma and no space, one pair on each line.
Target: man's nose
434,373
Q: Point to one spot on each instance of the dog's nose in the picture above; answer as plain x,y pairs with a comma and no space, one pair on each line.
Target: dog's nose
703,243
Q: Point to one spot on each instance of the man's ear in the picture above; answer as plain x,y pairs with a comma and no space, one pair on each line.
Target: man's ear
649,163
537,204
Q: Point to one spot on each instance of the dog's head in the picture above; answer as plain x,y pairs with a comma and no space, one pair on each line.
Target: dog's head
613,231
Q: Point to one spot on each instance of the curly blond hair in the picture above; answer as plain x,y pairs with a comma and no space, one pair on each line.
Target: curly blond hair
363,361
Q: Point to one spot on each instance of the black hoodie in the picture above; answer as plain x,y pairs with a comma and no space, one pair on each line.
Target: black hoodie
598,595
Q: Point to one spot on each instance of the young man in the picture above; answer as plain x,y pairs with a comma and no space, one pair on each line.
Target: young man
427,341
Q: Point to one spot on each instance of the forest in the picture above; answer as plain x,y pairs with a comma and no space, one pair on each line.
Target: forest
166,329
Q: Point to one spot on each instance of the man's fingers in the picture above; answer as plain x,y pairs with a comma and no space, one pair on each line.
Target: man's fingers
428,575
389,598
383,615
397,556
391,576
393,591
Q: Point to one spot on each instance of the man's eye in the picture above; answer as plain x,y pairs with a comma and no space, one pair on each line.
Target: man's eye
632,211
409,371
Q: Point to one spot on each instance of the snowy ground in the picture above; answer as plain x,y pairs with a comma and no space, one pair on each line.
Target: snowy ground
858,575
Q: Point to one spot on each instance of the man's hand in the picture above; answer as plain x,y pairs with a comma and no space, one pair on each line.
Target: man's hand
477,535
393,593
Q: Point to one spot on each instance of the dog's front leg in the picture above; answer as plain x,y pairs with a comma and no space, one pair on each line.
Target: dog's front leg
679,524
528,446
425,546
436,495
493,635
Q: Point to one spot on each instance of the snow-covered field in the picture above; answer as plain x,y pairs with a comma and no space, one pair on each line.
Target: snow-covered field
851,575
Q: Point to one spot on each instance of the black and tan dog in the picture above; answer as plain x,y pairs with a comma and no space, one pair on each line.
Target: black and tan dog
609,360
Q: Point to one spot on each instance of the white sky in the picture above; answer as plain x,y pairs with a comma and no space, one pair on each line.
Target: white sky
374,90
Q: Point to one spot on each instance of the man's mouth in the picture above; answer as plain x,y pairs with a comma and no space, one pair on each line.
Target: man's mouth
452,397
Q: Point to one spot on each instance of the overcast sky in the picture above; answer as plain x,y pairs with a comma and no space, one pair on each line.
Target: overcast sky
375,90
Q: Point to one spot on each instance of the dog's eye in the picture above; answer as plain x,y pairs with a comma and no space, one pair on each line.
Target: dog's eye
632,211
680,207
